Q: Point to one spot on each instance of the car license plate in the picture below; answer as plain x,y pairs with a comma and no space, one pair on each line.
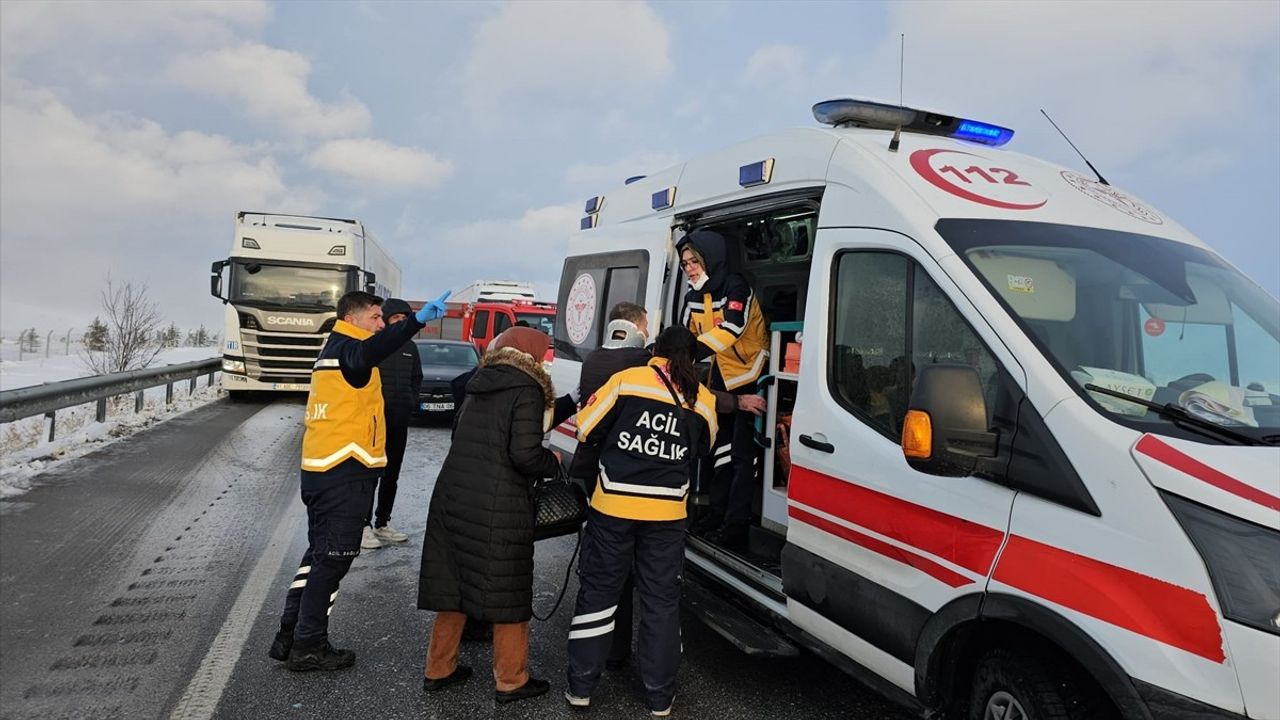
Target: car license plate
288,386
437,407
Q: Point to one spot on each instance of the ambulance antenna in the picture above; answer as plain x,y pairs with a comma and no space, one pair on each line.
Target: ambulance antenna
902,53
1073,147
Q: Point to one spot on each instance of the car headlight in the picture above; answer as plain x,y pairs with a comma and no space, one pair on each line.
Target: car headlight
233,366
1242,562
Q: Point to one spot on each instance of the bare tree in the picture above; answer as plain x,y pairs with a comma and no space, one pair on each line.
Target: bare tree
134,329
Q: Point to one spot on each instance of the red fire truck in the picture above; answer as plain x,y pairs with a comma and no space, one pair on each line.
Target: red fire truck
481,322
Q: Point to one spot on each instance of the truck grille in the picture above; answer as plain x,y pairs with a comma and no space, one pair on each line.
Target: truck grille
276,357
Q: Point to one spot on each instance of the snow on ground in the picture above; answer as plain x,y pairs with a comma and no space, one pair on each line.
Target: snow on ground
25,450
36,369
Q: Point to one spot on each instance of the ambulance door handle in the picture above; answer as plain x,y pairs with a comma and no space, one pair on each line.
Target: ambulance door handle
817,442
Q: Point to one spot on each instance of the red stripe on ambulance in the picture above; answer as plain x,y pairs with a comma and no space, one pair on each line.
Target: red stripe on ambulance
893,552
1153,448
956,540
1157,609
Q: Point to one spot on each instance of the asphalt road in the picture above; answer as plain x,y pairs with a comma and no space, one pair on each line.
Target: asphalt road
145,580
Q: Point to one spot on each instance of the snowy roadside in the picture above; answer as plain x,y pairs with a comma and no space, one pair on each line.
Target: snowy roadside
25,450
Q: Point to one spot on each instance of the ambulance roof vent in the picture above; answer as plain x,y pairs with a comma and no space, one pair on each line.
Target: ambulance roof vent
856,112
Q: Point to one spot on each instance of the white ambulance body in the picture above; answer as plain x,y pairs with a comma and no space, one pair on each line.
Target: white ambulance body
1127,556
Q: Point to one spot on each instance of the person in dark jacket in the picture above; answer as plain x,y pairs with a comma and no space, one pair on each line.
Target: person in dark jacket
477,558
343,452
401,379
652,423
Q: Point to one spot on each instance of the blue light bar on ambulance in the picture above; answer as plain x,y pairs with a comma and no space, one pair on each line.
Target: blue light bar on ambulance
594,204
588,222
853,112
756,173
664,199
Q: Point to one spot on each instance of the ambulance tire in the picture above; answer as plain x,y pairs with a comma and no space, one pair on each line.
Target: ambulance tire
1012,685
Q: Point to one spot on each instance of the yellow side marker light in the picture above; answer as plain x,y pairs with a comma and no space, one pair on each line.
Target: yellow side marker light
917,435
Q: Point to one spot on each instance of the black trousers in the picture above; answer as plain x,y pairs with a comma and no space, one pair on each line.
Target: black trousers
336,517
730,471
653,553
397,438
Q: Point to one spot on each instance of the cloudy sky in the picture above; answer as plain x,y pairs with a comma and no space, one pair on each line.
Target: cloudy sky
468,135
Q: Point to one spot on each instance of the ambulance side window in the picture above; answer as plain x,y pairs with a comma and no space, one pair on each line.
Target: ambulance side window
590,285
889,320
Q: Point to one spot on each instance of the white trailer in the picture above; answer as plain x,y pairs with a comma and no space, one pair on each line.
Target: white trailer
494,291
285,275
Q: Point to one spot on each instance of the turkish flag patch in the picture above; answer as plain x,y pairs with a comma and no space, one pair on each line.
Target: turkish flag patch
735,305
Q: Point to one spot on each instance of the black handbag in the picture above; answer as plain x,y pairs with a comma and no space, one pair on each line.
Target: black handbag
559,507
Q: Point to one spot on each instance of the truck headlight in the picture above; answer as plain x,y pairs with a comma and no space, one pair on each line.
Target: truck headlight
232,366
1242,561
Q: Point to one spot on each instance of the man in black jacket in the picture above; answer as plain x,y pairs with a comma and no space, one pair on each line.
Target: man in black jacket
343,453
401,379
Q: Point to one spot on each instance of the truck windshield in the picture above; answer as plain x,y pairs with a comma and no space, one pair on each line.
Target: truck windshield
1145,316
292,286
545,323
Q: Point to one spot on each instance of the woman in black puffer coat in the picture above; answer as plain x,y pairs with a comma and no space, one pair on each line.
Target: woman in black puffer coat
477,558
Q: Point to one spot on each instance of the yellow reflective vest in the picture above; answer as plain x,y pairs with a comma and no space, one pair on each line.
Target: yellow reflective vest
732,326
343,422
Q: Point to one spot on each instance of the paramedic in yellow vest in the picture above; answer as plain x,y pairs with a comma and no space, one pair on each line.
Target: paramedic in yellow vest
721,309
651,423
343,453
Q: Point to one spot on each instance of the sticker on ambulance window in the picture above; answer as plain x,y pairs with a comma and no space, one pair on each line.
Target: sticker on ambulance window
1154,326
1112,197
976,179
580,308
1021,283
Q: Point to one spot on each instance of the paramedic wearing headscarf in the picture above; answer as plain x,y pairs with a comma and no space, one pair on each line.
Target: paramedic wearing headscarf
721,309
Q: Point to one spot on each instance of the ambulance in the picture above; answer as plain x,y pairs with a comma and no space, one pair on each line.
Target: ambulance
1022,454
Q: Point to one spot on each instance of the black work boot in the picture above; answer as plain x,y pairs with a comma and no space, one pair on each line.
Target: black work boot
282,644
324,657
531,689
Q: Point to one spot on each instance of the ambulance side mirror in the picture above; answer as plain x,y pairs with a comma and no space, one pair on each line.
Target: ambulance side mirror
945,431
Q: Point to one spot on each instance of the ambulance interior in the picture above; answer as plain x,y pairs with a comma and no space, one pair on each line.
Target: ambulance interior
772,249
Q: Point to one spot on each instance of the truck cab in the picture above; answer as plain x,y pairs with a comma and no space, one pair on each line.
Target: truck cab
1023,433
284,276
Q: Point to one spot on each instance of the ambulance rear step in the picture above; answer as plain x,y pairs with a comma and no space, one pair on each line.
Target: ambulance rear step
746,633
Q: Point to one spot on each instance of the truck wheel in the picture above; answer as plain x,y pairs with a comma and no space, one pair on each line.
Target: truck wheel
238,396
1011,685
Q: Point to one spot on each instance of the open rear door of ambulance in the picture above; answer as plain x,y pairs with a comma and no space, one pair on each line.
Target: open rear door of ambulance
605,266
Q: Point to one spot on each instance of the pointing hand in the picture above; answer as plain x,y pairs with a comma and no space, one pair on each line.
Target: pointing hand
434,309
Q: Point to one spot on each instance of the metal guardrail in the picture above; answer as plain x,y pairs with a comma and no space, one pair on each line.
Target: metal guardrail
49,398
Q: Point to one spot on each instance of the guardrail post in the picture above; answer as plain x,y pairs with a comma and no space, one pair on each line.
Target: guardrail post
53,422
101,414
138,401
191,388
168,393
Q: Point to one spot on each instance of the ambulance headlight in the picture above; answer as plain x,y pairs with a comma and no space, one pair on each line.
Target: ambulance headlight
1242,561
232,366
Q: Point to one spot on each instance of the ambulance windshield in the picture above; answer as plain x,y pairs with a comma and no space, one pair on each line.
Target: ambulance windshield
1135,314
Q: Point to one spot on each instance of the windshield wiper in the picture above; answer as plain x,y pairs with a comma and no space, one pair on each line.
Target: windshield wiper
1177,415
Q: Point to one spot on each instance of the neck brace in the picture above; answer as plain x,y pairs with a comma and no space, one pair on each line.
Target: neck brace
701,282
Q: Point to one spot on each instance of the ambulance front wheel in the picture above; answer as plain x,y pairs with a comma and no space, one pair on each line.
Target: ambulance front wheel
1012,685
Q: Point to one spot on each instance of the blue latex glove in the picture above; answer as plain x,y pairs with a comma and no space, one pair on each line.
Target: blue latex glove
433,310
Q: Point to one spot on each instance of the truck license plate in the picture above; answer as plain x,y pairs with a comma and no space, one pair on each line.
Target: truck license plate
437,407
288,386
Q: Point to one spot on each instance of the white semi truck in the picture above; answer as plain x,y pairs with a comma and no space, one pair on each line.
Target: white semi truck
284,276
